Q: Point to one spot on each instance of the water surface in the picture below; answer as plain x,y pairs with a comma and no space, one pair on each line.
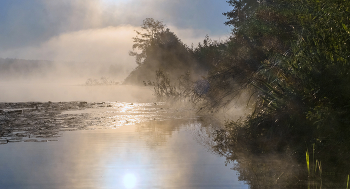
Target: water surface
65,92
138,145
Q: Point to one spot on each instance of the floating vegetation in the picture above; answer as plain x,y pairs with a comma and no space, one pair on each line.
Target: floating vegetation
43,122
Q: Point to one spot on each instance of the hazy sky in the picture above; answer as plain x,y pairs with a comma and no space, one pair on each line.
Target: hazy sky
99,30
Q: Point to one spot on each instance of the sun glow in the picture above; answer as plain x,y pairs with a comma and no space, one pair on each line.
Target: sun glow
129,180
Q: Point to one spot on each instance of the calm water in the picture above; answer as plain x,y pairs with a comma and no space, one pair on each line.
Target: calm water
127,146
121,158
56,92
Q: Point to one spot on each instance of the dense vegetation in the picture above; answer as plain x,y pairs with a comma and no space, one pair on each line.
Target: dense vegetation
293,56
302,76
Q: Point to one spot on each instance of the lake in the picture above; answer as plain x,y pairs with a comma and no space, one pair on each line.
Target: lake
118,138
55,92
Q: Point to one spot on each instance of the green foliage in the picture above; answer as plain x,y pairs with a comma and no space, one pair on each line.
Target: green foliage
302,81
296,55
210,54
242,10
315,76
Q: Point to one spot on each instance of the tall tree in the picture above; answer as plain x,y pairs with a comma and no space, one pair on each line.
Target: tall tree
150,29
158,48
242,9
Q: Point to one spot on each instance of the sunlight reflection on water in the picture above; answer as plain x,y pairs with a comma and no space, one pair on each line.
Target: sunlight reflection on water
129,180
138,145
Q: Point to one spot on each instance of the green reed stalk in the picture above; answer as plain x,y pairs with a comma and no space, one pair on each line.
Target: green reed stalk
308,162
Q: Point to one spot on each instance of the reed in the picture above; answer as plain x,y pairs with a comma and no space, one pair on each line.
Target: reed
308,162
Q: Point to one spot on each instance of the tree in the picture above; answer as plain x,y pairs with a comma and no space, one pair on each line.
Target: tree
150,29
159,49
242,9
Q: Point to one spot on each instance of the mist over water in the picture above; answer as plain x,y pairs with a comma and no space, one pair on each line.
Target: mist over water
59,92
66,128
92,98
42,80
65,43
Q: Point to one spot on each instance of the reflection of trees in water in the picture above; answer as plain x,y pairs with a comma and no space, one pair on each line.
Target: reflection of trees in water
271,170
268,171
263,164
155,133
202,130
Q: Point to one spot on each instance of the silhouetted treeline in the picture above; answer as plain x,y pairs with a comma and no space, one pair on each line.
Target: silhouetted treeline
162,50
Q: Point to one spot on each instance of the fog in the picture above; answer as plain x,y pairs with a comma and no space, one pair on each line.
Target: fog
83,54
74,57
65,43
52,70
56,92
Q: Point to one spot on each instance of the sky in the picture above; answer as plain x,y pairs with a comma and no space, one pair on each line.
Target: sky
100,31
